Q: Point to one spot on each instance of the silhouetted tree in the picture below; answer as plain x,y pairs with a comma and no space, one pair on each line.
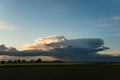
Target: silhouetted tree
32,61
18,60
15,61
9,61
38,61
23,61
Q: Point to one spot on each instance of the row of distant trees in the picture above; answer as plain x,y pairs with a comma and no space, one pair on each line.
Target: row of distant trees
21,61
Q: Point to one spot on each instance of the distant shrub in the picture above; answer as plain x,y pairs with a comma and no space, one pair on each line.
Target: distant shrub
2,62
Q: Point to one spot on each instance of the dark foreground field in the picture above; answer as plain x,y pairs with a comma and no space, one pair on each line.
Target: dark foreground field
59,71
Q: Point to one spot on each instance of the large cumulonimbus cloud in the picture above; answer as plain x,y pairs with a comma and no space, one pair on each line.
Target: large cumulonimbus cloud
61,48
54,42
67,49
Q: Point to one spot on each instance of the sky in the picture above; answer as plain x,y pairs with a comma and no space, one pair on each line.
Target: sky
23,21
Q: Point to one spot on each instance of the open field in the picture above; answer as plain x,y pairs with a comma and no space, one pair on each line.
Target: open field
59,71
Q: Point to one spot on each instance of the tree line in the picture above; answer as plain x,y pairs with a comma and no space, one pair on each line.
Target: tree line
21,61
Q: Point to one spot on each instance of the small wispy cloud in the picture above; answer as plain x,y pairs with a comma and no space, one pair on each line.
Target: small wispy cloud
117,34
6,26
116,18
109,22
104,25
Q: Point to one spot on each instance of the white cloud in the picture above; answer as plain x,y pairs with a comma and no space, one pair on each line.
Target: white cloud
43,43
6,27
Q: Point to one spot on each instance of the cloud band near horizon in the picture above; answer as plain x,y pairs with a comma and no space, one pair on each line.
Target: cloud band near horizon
60,48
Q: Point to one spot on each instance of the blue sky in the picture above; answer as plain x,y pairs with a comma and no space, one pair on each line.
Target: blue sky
23,21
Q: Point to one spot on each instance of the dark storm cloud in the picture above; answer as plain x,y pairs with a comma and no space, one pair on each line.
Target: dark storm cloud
3,48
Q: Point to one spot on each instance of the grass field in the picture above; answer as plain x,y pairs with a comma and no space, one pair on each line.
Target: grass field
59,71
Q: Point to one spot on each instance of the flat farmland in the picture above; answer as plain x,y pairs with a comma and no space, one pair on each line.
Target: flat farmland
59,71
